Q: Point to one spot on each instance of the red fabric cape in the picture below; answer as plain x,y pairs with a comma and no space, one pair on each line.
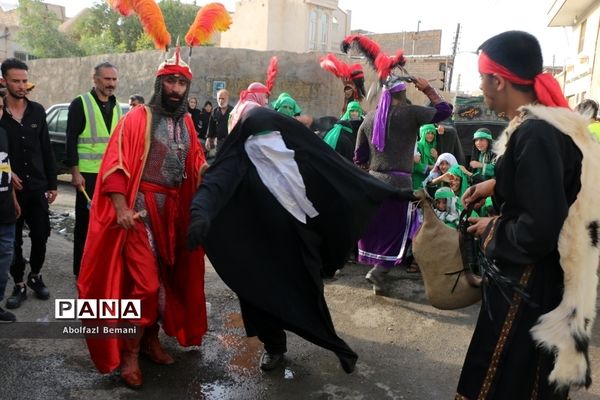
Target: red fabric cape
101,275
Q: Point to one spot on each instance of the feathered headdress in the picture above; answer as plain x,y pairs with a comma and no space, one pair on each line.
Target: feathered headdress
381,62
272,70
150,16
352,75
210,18
123,7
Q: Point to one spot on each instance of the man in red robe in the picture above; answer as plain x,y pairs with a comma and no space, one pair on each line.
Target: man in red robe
139,216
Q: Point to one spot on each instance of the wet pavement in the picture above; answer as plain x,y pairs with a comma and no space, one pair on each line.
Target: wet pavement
407,349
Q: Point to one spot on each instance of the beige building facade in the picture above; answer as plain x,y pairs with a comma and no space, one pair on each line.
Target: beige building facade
580,78
289,25
10,25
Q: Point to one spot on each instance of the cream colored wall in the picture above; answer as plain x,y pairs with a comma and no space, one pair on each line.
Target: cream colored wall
343,29
250,26
283,25
288,26
594,36
582,75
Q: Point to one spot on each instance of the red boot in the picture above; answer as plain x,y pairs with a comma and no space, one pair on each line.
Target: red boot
151,347
130,368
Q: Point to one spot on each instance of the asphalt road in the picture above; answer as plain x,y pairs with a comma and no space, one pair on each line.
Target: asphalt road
407,349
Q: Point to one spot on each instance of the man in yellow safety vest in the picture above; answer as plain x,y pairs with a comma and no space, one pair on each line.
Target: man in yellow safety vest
92,118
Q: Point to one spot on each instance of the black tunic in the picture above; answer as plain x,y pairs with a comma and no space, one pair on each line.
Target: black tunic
271,260
537,179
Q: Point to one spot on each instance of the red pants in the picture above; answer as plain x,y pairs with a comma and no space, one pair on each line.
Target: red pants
141,280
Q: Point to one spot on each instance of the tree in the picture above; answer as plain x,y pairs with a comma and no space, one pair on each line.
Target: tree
39,34
103,30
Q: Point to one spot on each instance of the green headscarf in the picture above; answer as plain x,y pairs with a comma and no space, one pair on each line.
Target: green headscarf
332,137
483,135
424,147
444,193
291,108
352,106
464,184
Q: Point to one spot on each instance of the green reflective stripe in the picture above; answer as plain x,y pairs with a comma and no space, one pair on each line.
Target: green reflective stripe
90,115
92,140
91,156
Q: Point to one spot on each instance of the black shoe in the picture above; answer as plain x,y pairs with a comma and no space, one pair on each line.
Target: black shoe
37,285
7,316
269,361
16,298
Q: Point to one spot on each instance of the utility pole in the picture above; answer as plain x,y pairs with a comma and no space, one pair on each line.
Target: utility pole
415,38
454,51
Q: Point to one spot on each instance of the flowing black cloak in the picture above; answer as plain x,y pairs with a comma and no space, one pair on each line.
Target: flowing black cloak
270,259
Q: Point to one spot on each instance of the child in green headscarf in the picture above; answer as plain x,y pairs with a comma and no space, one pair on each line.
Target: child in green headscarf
446,207
285,104
345,130
353,112
484,162
425,155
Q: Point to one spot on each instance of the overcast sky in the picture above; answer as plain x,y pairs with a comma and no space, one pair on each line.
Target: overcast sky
479,19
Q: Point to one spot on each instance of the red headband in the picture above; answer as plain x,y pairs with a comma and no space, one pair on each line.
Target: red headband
175,66
244,93
546,88
175,70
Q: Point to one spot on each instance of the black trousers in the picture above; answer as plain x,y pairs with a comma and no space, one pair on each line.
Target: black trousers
82,219
268,330
35,212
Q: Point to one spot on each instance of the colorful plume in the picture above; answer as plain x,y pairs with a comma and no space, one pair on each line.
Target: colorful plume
123,7
210,18
152,21
150,17
271,74
363,44
335,66
382,63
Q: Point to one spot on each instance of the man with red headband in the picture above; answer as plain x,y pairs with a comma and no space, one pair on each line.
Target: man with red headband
532,343
138,220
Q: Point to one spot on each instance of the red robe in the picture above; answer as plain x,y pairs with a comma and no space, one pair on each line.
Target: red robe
102,267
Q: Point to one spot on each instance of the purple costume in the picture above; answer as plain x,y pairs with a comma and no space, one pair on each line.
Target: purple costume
386,142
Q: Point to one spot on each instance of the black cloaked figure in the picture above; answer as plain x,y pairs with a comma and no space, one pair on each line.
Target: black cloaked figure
271,260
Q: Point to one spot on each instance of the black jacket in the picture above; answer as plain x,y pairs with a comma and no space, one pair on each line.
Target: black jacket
217,125
30,151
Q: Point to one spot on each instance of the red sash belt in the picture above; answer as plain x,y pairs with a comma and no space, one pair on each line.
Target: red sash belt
163,226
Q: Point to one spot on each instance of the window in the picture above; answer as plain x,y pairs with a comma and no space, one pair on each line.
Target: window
312,31
582,36
324,30
334,24
20,55
61,120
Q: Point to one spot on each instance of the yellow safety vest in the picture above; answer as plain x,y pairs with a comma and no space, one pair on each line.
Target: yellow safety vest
92,142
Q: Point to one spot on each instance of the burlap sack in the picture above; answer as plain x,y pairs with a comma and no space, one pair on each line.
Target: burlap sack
436,250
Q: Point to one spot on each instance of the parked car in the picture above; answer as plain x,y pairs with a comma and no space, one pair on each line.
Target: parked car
56,118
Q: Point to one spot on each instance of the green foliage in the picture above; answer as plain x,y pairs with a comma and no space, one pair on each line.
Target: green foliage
39,33
99,30
103,30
